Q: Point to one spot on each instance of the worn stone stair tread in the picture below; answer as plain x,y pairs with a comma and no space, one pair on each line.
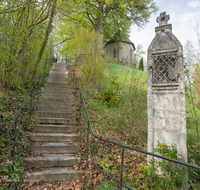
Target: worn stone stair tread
53,135
53,89
54,148
56,99
57,96
41,137
56,104
57,109
55,174
54,114
55,128
50,112
57,85
56,160
55,120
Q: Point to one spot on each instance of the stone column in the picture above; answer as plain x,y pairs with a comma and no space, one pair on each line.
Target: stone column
166,89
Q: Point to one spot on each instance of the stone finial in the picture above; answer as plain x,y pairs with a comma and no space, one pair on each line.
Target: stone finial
162,19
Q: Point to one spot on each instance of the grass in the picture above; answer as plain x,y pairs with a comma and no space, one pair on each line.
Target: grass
119,116
125,121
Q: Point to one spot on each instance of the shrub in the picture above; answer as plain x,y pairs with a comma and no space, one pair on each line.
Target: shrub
111,95
162,174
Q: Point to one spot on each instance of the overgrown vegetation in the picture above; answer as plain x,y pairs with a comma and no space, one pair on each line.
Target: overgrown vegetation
162,174
22,29
117,107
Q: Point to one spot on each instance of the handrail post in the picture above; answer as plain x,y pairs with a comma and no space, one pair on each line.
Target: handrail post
122,168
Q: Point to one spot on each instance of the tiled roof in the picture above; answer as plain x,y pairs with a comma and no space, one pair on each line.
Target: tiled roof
119,37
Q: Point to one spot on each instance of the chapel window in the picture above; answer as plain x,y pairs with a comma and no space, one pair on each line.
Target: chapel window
114,53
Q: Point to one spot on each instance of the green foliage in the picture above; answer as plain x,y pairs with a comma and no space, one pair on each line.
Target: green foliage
105,186
120,117
87,185
162,174
111,15
193,122
141,65
21,31
87,49
139,53
93,68
14,169
111,96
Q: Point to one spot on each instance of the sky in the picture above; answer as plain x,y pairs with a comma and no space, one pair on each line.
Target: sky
183,16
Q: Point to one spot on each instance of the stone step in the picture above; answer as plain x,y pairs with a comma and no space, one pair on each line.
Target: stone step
55,76
66,99
56,160
58,92
59,82
54,137
55,128
54,148
57,85
55,174
54,114
45,120
57,96
56,109
56,104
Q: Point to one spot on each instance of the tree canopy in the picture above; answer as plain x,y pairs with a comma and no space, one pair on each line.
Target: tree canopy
22,29
105,16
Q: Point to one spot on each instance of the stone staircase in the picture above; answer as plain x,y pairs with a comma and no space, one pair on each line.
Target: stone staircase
54,136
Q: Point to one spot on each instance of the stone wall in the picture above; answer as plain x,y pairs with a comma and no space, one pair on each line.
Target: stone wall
124,51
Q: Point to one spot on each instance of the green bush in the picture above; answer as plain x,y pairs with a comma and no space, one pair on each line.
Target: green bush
162,174
111,95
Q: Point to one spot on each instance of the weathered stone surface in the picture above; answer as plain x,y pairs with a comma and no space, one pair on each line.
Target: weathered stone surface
54,137
66,99
56,91
166,89
55,108
49,139
55,121
55,104
58,85
54,114
55,174
54,148
55,128
62,160
57,96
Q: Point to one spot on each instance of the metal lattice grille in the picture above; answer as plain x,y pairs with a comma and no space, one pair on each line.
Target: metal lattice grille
165,67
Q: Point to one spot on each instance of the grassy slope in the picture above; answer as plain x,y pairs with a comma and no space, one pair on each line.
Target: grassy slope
119,123
126,122
112,120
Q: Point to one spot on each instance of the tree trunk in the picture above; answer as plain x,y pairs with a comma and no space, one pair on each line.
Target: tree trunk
100,26
99,20
44,40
